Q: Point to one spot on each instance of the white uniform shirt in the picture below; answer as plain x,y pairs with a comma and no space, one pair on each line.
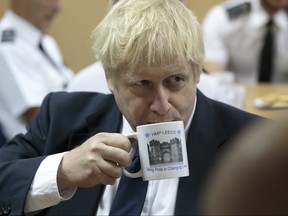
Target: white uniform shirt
26,75
237,41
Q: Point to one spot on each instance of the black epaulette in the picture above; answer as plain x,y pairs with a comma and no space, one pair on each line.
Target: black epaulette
239,10
8,36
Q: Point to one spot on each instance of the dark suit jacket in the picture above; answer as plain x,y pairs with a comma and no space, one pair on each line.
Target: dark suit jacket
2,137
67,119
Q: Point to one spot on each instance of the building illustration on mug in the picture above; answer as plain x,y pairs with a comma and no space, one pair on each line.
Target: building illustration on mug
165,152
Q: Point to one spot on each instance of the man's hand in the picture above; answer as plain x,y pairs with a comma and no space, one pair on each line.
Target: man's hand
97,161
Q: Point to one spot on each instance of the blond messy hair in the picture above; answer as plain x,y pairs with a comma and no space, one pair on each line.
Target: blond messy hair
149,33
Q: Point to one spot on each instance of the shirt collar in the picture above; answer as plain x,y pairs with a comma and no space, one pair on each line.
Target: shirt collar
23,28
260,18
280,19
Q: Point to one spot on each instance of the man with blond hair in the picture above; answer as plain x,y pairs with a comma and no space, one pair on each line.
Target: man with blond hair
69,162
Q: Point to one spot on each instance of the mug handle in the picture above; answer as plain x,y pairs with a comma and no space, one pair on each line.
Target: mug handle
131,153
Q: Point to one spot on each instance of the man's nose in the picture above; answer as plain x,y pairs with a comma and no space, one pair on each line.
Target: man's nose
160,103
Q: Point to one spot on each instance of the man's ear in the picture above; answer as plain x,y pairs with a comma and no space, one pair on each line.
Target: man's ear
109,81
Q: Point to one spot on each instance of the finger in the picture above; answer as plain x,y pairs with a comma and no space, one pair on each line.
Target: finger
114,140
111,169
116,155
102,172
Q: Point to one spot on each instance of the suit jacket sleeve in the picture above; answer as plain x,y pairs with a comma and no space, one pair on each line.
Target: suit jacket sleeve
19,160
65,120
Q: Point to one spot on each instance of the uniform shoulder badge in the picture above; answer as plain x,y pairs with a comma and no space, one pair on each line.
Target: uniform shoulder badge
8,36
239,10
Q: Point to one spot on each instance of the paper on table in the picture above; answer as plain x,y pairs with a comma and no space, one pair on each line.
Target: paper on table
272,101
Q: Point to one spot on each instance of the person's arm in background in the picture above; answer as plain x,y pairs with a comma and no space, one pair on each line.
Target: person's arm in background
2,137
23,96
24,84
30,113
214,27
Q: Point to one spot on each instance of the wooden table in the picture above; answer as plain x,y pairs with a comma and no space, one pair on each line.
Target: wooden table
257,90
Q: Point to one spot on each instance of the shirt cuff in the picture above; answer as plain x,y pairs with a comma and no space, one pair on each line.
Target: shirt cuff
44,191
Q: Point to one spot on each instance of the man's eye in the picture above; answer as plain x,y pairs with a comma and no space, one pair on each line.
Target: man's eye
176,79
142,83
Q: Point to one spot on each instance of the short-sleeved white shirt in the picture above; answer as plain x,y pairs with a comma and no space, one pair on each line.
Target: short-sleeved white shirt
237,41
26,74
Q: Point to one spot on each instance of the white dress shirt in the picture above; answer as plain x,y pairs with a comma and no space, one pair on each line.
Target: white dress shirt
236,42
26,75
44,193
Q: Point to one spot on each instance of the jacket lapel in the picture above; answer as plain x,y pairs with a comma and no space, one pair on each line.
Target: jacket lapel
205,135
105,119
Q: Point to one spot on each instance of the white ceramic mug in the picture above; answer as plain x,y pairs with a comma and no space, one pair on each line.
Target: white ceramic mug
162,151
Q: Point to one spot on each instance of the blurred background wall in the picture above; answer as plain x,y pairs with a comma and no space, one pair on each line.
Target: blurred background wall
73,26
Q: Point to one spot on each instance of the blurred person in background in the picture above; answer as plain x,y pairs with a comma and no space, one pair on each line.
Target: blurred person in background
248,38
30,61
251,177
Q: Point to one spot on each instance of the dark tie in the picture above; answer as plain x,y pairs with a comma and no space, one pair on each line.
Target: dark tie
51,61
131,193
45,53
266,55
